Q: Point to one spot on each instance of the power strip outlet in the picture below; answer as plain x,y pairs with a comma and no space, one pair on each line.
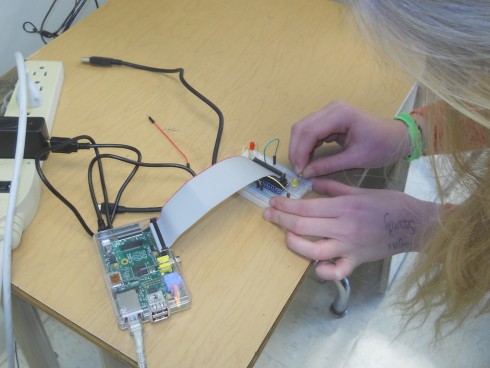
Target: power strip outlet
47,77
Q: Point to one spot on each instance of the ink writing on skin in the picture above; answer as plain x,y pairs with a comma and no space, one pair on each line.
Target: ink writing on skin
400,245
394,225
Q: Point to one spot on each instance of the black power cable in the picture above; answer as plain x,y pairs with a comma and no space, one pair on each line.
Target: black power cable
29,27
104,61
66,145
123,209
110,215
137,164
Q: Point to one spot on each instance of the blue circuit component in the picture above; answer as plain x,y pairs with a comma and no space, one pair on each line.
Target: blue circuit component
270,185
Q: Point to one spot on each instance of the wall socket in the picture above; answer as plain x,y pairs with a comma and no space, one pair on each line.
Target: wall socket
47,77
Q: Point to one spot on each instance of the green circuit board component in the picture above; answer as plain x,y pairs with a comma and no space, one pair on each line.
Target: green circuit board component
142,275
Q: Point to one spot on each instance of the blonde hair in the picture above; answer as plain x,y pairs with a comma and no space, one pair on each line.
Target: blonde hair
445,46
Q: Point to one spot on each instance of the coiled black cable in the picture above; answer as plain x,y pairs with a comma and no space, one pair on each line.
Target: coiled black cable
29,27
104,61
69,145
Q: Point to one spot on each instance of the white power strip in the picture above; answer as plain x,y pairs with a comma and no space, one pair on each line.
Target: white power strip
47,77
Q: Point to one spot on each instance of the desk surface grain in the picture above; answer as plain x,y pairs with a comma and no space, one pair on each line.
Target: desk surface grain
266,64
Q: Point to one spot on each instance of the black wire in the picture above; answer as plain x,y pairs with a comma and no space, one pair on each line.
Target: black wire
29,27
142,210
196,93
98,159
104,192
71,16
110,216
136,164
66,143
42,32
123,209
53,189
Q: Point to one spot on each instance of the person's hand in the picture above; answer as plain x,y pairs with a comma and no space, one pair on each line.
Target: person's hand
351,227
367,141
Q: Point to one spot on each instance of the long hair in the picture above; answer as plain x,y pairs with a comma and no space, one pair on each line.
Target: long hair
445,46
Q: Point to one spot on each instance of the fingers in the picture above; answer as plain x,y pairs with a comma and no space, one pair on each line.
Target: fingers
314,217
366,140
339,270
308,226
308,134
318,207
323,250
329,164
334,188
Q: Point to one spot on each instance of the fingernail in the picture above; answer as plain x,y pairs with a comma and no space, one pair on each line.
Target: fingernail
272,202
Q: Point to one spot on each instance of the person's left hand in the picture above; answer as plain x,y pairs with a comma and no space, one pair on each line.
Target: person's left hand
352,226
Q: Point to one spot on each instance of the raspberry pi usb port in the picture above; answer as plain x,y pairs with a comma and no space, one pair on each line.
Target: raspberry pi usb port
158,307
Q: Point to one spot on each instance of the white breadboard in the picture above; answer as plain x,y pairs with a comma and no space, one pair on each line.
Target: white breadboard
261,196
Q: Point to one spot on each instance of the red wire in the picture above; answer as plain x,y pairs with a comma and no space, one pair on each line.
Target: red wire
170,140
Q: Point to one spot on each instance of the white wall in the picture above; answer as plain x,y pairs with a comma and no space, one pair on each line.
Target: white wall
13,13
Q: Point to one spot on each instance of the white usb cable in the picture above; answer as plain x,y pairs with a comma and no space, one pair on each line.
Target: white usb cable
9,220
136,329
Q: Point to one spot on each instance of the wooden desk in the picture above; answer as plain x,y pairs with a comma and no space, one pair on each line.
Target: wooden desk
266,64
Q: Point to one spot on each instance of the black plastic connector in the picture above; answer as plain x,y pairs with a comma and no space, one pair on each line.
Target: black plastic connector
5,186
103,207
269,167
101,61
37,137
61,145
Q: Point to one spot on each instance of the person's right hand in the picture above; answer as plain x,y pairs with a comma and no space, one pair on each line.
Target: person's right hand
367,141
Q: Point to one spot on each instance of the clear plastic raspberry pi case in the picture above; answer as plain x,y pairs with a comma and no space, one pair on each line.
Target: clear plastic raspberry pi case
141,273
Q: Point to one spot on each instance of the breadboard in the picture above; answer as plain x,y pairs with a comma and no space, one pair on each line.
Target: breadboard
261,196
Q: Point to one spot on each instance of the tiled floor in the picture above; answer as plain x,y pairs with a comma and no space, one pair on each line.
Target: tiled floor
309,336
73,351
387,342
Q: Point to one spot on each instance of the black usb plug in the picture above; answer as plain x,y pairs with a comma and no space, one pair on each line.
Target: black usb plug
66,145
100,61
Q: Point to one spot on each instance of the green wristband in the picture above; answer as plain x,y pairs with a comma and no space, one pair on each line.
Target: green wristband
415,135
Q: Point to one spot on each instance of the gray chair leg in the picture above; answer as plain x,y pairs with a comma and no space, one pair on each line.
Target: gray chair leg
339,306
31,335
